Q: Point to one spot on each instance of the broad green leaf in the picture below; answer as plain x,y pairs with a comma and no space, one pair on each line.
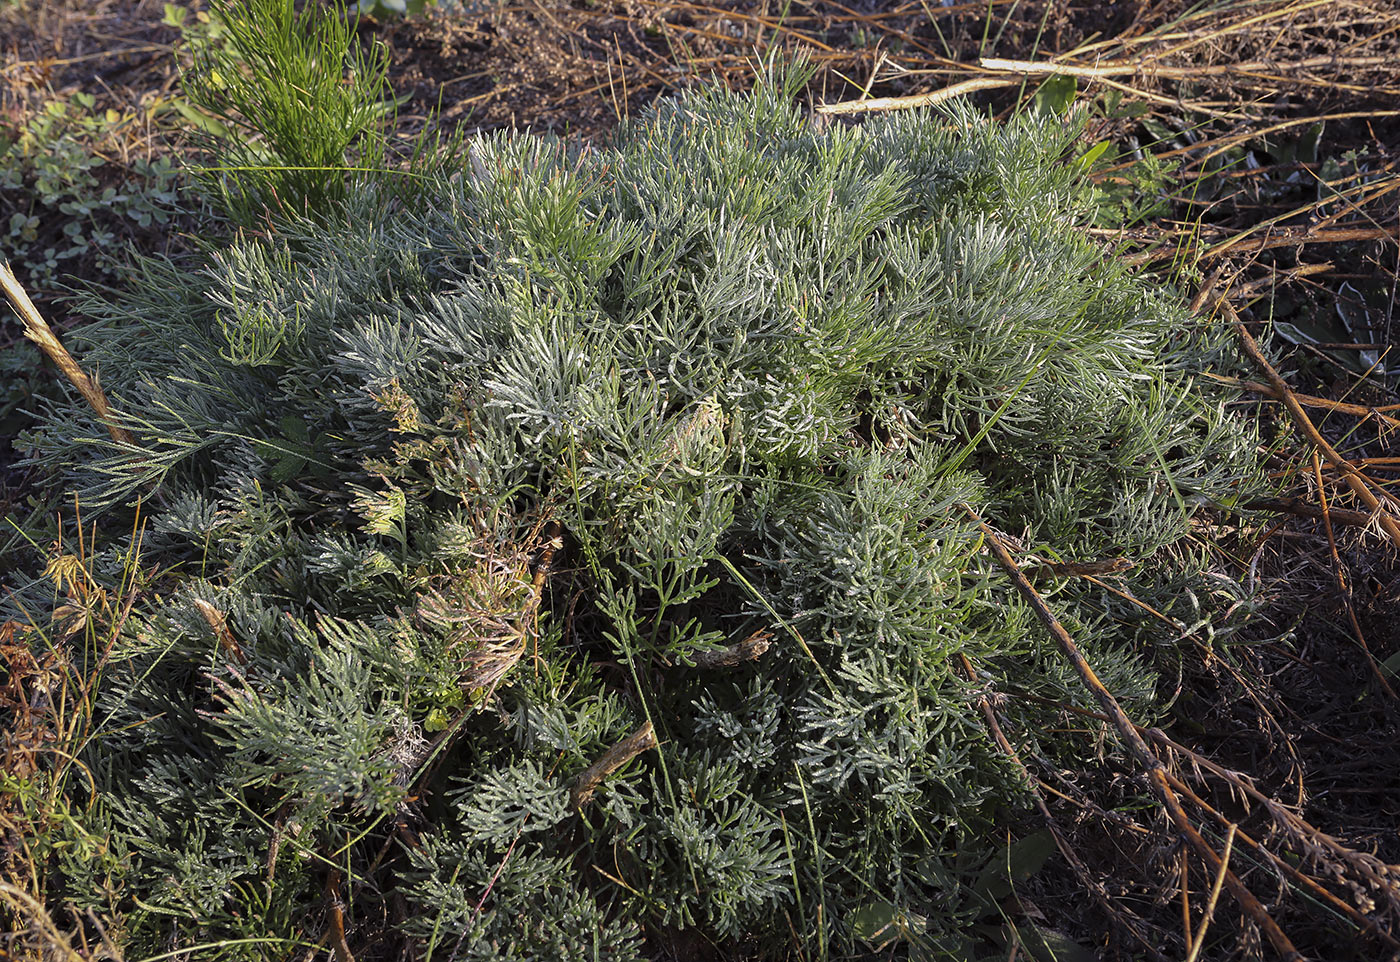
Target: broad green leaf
1056,94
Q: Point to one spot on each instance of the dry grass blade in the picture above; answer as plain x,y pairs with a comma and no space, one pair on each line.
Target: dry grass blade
1200,937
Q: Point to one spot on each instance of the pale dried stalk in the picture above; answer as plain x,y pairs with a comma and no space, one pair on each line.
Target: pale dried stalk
38,331
1146,66
916,100
1200,938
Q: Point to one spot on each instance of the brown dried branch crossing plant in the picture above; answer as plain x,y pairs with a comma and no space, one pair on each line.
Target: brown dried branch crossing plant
1155,772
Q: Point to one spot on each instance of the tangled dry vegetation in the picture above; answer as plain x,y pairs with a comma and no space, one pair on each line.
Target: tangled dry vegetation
1257,145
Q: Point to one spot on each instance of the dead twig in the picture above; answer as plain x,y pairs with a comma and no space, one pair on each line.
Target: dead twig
1242,787
1283,865
1301,508
1155,771
38,331
1354,479
335,934
1147,66
1308,400
588,780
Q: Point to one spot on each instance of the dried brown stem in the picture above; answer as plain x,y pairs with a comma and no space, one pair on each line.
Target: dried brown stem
588,780
1303,509
1384,878
1155,771
1369,867
336,933
1350,474
1308,400
38,331
1077,569
1284,866
1146,66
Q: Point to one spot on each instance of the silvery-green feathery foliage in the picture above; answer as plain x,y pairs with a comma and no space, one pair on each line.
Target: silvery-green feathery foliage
746,372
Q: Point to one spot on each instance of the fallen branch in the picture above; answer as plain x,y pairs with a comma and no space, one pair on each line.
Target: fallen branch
1156,773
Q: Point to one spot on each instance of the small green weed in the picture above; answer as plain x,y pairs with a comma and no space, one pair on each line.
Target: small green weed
282,128
69,202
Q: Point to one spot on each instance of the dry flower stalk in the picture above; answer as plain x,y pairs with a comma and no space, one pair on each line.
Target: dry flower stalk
38,331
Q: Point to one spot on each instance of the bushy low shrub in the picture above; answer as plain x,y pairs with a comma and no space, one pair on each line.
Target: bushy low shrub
669,438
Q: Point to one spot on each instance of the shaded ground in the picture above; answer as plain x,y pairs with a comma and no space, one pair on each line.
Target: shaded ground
1267,133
